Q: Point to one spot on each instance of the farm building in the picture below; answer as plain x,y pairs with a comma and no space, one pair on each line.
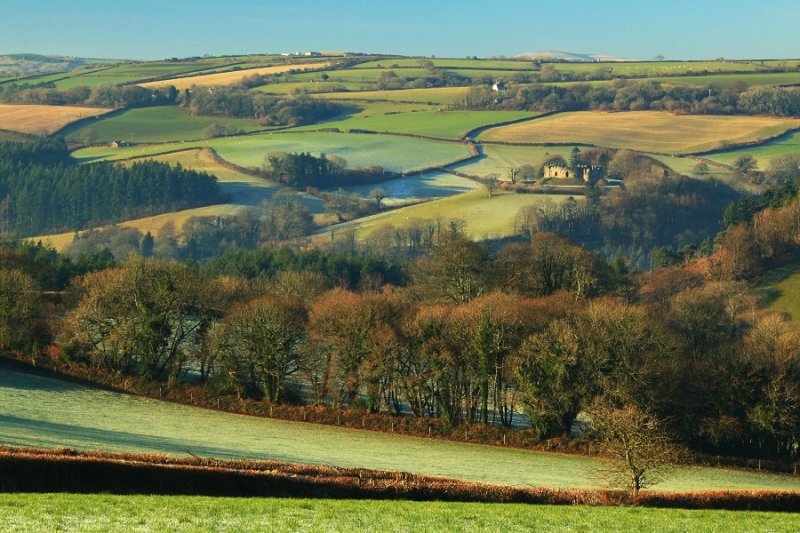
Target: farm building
587,173
499,86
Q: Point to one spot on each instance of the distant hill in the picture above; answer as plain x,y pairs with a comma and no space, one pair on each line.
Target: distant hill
24,65
568,57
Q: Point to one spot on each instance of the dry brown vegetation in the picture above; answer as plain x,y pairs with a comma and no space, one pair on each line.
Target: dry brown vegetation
234,76
68,470
43,119
646,131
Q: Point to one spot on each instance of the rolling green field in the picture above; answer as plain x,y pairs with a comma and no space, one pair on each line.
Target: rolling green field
434,95
646,131
789,144
782,290
399,154
154,124
445,124
103,512
725,80
448,63
42,412
484,217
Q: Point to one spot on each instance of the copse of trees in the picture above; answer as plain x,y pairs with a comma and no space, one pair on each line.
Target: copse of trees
45,191
238,102
302,170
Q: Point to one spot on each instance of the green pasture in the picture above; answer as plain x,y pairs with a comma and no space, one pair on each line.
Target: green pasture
446,124
726,80
154,124
790,144
500,157
434,95
36,411
657,68
312,87
447,63
781,290
105,512
398,154
363,75
484,217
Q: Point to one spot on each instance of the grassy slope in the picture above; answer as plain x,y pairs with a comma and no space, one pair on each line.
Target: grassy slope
43,412
447,124
436,95
155,124
647,131
400,154
763,153
484,217
60,512
782,290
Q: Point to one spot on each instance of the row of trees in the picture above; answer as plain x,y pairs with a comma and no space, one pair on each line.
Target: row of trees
625,95
43,190
547,328
113,96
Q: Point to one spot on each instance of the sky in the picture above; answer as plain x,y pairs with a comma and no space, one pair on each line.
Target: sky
159,29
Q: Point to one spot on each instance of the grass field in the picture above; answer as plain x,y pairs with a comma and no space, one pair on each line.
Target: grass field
104,512
763,152
400,154
448,63
43,412
154,124
311,87
435,95
781,289
445,124
43,119
725,80
484,217
646,131
231,77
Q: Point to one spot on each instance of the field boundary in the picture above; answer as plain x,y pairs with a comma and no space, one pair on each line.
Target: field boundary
64,470
746,144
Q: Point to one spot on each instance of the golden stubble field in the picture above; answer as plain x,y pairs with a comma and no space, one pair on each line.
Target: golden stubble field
645,131
43,119
234,76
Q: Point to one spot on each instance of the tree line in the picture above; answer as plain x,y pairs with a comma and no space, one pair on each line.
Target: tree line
45,191
639,95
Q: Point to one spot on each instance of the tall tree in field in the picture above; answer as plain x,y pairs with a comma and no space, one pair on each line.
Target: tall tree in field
638,448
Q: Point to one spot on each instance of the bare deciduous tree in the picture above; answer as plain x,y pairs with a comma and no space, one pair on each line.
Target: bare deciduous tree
638,448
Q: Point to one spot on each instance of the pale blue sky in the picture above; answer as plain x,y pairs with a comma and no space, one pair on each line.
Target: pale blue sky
150,29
